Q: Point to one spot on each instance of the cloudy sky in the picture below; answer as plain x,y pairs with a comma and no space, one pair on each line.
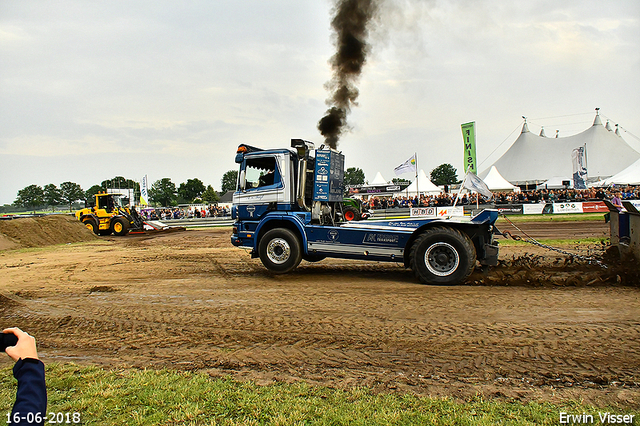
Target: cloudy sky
93,90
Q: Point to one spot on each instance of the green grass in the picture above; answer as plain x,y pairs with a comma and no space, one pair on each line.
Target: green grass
555,242
553,217
150,397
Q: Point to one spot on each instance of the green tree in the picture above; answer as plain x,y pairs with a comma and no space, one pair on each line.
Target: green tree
120,182
191,189
229,181
210,196
163,192
30,197
444,174
400,181
52,196
71,192
89,194
353,176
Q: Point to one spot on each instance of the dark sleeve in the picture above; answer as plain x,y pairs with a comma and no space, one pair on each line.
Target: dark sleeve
32,391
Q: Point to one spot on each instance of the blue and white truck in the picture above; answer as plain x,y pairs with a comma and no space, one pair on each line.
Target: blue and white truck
288,207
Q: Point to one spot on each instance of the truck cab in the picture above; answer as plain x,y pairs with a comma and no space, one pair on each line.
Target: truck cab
265,183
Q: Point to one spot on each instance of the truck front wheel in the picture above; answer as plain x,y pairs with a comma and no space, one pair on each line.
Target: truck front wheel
279,251
443,256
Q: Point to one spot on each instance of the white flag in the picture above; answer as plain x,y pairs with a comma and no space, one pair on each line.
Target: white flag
474,183
407,166
144,192
579,168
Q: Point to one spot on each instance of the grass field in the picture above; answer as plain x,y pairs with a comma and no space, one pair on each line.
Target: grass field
574,242
150,397
554,217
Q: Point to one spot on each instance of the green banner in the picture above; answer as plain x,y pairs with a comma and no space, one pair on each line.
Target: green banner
469,137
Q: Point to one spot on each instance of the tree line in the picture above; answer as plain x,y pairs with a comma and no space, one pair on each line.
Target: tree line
162,192
444,174
165,193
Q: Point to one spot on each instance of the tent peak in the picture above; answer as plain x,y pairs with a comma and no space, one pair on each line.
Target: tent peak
379,180
597,121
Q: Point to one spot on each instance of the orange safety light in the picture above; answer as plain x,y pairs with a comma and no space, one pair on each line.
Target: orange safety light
242,149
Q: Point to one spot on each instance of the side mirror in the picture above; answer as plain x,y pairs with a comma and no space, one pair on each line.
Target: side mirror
241,181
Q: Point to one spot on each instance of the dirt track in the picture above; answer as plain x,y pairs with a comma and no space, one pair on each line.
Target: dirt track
190,300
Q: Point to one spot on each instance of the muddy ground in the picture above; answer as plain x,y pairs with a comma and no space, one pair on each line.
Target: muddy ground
537,327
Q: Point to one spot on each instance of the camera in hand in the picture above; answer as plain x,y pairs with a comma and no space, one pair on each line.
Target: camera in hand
7,339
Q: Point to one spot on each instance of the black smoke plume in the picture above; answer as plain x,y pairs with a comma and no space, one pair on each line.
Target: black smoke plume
350,23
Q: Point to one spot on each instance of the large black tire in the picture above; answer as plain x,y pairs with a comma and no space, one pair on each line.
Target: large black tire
279,251
443,256
119,226
91,224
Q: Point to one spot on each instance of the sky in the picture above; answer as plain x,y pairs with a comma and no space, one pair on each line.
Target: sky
94,90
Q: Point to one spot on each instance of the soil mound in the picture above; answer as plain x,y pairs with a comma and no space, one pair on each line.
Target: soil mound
42,231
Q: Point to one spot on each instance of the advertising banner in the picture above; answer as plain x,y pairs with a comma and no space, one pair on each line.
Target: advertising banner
567,208
424,212
375,189
469,137
144,191
594,207
534,208
510,209
450,211
437,211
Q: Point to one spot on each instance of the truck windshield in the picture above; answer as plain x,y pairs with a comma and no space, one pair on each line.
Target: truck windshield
261,172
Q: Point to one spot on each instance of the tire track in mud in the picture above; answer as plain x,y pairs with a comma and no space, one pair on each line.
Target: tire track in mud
266,340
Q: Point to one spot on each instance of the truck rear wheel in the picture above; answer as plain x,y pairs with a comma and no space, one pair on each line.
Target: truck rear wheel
279,251
443,256
119,226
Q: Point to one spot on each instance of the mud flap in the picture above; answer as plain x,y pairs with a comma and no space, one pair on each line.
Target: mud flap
490,254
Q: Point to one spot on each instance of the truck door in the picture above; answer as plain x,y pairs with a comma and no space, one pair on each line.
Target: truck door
260,186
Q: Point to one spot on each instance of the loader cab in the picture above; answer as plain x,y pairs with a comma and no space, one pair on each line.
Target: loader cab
105,202
108,202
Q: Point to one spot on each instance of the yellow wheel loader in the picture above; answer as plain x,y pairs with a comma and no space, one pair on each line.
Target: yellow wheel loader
108,215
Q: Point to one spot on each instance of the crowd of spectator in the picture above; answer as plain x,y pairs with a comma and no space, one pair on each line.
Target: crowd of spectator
437,200
185,213
522,197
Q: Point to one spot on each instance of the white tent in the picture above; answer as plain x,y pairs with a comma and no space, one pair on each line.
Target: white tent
422,184
379,180
496,182
628,176
534,159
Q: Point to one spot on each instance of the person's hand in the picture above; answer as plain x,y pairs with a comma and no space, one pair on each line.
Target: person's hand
25,348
